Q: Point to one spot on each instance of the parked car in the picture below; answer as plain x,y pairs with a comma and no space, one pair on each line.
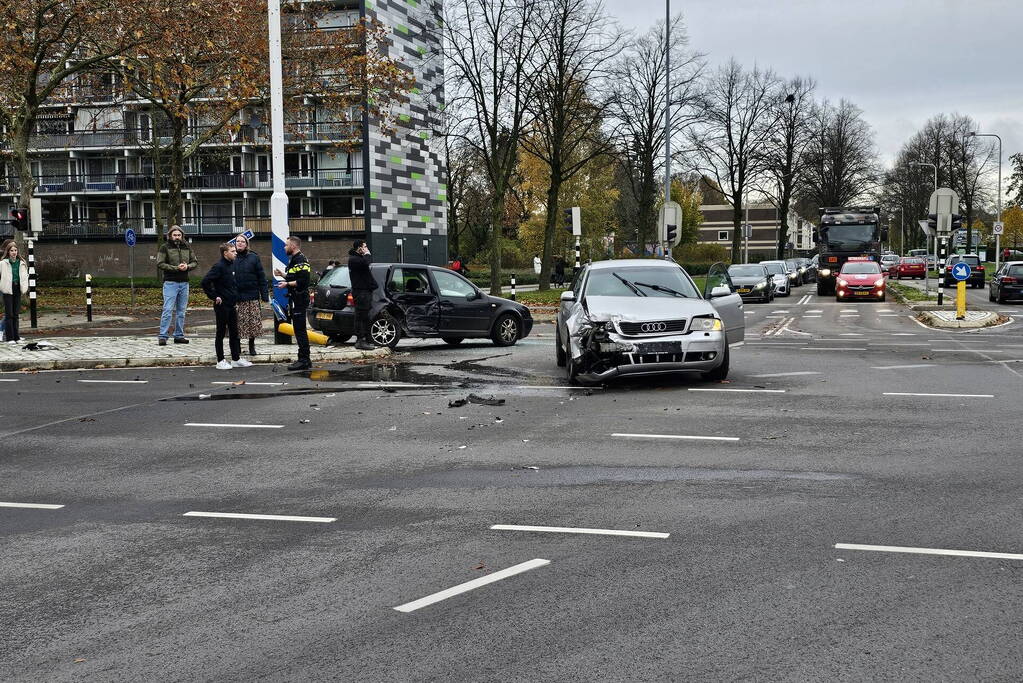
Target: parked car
908,266
1007,283
646,316
780,273
976,278
860,279
414,300
752,282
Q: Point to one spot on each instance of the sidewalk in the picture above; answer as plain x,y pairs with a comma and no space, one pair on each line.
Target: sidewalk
72,353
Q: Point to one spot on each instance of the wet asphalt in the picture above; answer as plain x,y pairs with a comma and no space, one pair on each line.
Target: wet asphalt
829,445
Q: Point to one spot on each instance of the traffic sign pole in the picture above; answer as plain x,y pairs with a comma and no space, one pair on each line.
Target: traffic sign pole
960,300
130,239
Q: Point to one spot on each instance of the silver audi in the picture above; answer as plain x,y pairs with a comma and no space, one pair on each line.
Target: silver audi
646,316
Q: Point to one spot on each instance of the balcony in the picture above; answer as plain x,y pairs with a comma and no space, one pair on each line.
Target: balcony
215,226
312,225
109,183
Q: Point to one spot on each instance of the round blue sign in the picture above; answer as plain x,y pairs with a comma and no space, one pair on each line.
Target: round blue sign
961,271
129,237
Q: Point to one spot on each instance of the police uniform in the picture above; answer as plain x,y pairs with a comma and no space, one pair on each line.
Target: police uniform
298,272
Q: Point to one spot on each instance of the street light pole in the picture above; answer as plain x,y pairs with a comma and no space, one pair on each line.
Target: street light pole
279,198
667,121
998,238
935,167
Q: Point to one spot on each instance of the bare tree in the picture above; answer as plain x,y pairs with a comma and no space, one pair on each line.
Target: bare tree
740,108
970,162
569,107
637,108
839,165
490,44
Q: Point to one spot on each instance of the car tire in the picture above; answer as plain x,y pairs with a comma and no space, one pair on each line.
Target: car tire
1001,298
384,330
559,351
719,373
990,294
506,330
339,339
452,341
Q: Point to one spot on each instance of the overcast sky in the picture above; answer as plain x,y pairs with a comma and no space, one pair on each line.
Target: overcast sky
901,61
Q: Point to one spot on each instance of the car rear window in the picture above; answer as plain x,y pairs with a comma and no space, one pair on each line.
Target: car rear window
972,260
914,260
337,277
861,268
1015,271
746,271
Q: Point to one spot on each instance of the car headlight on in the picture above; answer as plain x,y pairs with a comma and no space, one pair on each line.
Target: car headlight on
879,283
843,282
792,276
802,270
705,325
825,272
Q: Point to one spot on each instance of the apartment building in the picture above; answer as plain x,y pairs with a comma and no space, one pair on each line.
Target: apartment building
92,159
717,228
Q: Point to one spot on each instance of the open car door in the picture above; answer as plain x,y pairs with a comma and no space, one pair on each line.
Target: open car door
719,291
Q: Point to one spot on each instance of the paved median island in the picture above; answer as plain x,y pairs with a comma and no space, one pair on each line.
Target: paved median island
947,318
73,353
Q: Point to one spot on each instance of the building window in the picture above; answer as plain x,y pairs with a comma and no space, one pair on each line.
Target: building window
722,235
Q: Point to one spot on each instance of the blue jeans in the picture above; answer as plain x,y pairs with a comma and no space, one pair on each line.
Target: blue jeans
175,300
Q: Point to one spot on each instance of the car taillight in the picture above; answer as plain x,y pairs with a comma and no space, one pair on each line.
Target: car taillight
980,267
350,300
1008,279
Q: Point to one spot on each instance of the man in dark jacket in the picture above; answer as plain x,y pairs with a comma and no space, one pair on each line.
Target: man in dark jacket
219,285
363,284
296,281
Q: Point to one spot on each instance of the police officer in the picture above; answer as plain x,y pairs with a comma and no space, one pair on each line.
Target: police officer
296,281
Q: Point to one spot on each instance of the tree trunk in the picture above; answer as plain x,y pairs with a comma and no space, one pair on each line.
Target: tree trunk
496,220
549,229
783,229
737,230
177,170
27,182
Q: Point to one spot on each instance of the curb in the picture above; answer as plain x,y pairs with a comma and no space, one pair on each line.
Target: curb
178,361
990,318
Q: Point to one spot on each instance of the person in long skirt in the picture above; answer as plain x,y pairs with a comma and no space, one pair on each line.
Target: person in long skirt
250,279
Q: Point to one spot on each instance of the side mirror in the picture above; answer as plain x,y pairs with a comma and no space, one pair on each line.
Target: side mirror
720,291
567,296
475,295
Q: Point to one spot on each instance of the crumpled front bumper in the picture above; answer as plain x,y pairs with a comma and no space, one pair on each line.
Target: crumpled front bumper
608,354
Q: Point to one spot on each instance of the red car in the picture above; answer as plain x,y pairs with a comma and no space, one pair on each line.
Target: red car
908,266
860,280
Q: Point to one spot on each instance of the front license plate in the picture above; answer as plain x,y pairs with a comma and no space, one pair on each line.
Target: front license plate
744,291
861,293
324,316
660,347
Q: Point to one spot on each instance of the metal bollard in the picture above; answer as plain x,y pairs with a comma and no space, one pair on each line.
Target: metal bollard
513,287
88,297
941,295
32,284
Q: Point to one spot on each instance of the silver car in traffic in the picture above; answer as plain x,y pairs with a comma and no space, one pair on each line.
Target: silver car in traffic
645,316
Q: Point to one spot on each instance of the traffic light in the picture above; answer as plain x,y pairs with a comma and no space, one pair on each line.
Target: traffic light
957,222
671,234
19,219
568,220
932,222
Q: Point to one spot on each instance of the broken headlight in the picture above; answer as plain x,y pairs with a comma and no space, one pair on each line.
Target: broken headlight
705,324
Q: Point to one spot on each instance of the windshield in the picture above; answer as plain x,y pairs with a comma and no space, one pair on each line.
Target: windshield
746,271
859,268
639,281
337,277
849,237
775,268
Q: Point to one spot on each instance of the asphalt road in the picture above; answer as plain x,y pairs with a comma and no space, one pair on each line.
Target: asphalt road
845,433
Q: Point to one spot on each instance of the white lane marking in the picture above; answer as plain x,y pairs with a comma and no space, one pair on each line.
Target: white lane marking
238,426
788,374
849,315
34,506
816,310
395,385
783,311
277,518
903,393
972,350
929,551
850,334
746,391
253,384
527,386
830,348
891,344
10,380
811,316
774,343
903,367
578,530
471,585
736,345
903,334
848,310
1013,311
114,381
675,436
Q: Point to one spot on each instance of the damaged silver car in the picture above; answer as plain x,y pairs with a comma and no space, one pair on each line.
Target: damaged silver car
645,316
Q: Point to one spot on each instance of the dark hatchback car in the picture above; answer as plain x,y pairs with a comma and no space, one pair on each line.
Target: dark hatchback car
752,281
976,270
1007,283
421,301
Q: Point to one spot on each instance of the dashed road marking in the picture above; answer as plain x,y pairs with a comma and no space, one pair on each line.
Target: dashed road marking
903,367
254,384
114,381
682,437
788,374
10,380
929,551
903,393
273,518
578,530
34,506
830,348
236,426
471,585
745,391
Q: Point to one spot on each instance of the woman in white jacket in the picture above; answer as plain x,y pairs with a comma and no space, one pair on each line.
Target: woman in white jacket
13,283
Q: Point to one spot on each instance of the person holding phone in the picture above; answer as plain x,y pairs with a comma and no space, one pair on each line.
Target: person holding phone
363,284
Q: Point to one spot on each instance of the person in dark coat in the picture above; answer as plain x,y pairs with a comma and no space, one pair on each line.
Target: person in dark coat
250,279
296,281
363,284
219,285
559,272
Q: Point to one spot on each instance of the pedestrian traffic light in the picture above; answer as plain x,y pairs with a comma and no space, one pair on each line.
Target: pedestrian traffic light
671,234
568,220
932,222
957,222
19,219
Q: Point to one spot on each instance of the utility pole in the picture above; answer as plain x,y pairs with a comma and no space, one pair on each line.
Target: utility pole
998,238
667,119
279,198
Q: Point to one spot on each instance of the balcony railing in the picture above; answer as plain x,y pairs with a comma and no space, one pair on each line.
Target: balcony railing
327,132
106,183
220,226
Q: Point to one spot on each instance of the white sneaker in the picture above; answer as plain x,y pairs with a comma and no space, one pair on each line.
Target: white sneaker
224,365
241,363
